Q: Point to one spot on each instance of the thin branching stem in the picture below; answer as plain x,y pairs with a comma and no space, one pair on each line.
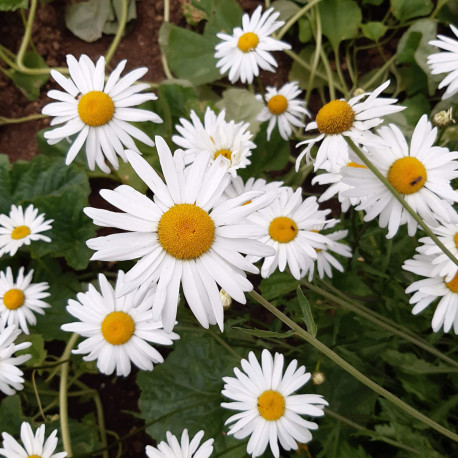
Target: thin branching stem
119,33
295,18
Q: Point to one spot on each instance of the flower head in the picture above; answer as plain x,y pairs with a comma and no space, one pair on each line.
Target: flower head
100,113
249,46
237,187
269,411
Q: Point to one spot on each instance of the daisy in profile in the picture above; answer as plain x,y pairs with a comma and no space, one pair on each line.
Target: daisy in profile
182,236
421,173
352,119
289,227
285,108
22,228
118,329
99,112
217,138
269,412
237,187
249,46
446,61
11,377
431,288
33,445
21,299
184,449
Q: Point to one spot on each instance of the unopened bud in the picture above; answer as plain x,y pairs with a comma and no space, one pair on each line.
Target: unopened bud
358,91
318,378
443,118
225,299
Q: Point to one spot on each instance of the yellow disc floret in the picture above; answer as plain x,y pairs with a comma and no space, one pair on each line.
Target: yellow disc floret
278,104
13,299
248,41
20,232
283,229
455,239
223,152
34,456
452,285
407,175
271,405
118,328
186,231
335,117
96,108
356,165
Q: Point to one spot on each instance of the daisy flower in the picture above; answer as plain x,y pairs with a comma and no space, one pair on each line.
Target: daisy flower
100,113
288,226
421,173
21,228
20,299
11,377
174,449
269,412
237,187
118,329
446,62
249,46
34,445
430,289
217,138
283,107
182,236
352,119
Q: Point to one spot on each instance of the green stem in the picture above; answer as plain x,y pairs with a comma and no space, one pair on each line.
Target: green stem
33,117
379,72
296,17
339,72
27,36
37,396
117,39
331,83
351,370
316,55
400,198
224,344
165,64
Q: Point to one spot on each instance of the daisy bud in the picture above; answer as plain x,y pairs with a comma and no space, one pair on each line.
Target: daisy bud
443,118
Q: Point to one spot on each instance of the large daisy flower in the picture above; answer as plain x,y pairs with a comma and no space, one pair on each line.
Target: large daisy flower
237,187
217,138
285,108
421,173
430,289
249,46
269,412
289,227
100,113
118,329
446,62
20,299
182,236
21,228
34,445
11,377
184,449
352,119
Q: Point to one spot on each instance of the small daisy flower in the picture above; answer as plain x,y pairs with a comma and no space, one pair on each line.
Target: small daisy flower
249,46
100,113
217,138
269,411
21,228
20,299
352,119
11,377
183,236
283,107
174,449
430,289
446,62
289,227
421,173
118,329
237,187
34,445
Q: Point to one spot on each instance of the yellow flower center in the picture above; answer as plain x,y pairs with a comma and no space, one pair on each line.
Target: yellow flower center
407,175
13,299
283,229
455,238
452,285
335,117
34,456
277,104
186,231
118,328
271,405
248,41
316,232
20,232
223,152
355,165
96,108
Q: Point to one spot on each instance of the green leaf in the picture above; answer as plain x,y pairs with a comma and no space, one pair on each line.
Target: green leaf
374,30
286,8
5,197
307,315
407,9
226,15
112,24
11,415
12,5
340,20
195,11
279,284
86,19
417,106
37,350
264,334
305,30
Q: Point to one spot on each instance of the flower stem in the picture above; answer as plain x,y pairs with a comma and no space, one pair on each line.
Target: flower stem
351,370
296,17
165,64
121,26
399,197
316,55
27,36
33,117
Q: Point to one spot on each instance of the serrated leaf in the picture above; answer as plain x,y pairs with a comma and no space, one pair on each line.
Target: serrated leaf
407,9
12,5
307,315
374,30
264,334
86,19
